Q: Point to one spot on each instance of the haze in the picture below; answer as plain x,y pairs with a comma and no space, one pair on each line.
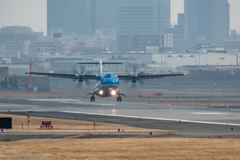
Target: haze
33,13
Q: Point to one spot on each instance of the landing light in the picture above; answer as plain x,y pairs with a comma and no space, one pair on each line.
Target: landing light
101,92
113,92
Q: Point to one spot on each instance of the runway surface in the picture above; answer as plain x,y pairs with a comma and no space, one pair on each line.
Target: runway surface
196,121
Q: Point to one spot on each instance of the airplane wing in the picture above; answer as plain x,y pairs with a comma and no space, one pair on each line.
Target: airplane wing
60,75
129,77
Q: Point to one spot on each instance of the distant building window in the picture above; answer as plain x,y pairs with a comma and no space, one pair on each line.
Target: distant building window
180,56
169,56
191,55
106,32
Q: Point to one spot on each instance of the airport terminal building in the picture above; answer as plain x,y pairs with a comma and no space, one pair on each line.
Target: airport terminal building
173,59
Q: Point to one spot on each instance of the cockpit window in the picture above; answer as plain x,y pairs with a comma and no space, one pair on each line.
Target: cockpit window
110,76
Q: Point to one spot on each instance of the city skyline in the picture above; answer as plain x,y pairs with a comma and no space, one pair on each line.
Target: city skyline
84,17
18,13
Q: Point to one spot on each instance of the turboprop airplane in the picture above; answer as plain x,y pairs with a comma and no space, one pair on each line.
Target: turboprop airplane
107,85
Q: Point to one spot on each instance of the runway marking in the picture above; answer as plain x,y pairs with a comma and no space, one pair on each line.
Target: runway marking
67,100
152,118
99,104
75,101
206,113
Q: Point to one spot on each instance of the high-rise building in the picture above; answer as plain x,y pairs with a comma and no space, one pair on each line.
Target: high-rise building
83,17
74,16
206,18
178,30
107,14
144,16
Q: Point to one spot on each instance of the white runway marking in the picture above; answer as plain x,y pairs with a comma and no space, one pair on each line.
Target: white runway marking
57,100
206,113
75,101
152,118
99,104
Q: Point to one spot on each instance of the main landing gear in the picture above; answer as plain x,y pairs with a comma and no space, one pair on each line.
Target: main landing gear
119,99
92,99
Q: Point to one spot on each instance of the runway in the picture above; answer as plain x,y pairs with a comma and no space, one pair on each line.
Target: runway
183,121
126,109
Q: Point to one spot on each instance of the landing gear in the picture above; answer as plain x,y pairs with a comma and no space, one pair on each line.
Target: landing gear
119,99
92,99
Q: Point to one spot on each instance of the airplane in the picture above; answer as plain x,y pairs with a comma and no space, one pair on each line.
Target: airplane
107,85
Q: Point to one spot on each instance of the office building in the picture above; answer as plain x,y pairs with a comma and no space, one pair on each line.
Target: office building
107,14
144,16
75,16
208,19
178,30
57,46
83,17
14,39
140,42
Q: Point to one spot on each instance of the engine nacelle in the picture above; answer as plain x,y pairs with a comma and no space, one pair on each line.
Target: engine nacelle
134,78
80,78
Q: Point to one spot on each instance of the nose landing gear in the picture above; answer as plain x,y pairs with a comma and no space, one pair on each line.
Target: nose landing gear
119,99
92,98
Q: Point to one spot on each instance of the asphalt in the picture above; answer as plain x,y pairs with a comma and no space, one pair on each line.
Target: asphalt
182,121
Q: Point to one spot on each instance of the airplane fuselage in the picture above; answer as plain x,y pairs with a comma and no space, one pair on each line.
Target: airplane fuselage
107,86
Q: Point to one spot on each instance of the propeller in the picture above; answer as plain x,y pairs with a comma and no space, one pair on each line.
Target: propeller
80,74
134,76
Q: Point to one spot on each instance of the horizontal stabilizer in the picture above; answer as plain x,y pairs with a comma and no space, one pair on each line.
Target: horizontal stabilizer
99,63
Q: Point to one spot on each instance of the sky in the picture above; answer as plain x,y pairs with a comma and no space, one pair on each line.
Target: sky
33,13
